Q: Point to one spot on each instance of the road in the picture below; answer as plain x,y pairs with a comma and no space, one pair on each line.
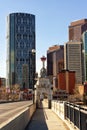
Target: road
9,110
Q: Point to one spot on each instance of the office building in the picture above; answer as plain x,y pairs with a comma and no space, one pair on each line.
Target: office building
55,57
84,51
73,59
76,29
20,50
55,62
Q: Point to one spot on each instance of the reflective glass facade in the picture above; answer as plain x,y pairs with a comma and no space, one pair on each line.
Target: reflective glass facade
20,42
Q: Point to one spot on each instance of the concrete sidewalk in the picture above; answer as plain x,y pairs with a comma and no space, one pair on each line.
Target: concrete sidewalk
45,119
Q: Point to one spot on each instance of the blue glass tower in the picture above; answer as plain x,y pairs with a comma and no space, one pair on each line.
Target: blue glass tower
20,43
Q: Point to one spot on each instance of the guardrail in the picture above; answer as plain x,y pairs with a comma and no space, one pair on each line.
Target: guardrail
76,115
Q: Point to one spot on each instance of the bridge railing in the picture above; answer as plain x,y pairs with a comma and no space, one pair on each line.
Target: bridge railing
76,115
58,108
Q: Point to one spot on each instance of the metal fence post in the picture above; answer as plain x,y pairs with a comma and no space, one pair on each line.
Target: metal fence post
69,113
86,124
64,110
74,115
79,119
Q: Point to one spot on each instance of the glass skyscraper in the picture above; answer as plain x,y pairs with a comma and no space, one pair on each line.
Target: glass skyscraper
20,43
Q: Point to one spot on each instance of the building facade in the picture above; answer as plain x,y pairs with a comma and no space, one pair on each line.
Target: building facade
2,82
76,29
20,46
55,59
66,81
84,50
73,59
55,62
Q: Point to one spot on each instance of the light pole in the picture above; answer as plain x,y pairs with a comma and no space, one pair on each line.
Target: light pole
50,96
33,70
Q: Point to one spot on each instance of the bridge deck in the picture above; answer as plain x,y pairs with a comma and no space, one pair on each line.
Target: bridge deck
45,119
9,110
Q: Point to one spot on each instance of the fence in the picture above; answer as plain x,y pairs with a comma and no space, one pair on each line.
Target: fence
76,115
58,108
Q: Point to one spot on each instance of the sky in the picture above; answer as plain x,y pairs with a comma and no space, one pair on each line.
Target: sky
52,20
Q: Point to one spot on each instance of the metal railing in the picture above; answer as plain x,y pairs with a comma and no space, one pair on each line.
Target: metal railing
76,115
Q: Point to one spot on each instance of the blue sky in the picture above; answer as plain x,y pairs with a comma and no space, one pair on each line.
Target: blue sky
52,20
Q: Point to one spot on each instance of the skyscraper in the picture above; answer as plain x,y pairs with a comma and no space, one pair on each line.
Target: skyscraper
20,43
84,40
73,59
76,29
55,59
55,62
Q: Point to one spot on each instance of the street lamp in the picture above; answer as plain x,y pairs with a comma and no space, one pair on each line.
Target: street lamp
33,69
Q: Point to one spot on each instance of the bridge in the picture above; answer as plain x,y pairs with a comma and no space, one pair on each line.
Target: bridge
25,116
16,115
46,119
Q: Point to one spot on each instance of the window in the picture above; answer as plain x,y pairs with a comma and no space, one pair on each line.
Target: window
22,29
18,36
25,21
18,20
24,36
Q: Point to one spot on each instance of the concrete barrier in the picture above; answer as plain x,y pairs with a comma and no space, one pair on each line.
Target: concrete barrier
20,120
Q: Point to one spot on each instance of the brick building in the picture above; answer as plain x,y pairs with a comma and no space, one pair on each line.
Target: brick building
66,81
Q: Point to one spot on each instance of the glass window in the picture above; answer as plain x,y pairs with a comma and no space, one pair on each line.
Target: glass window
18,36
24,36
25,21
18,20
22,29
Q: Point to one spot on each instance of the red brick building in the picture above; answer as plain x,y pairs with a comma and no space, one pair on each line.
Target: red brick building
66,81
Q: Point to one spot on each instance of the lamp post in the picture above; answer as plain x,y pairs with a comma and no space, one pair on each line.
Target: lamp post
33,70
50,96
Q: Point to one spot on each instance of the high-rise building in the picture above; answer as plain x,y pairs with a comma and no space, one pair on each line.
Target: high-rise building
76,29
55,61
73,59
55,57
84,40
20,50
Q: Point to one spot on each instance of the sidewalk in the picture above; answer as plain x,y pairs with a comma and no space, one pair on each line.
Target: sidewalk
45,119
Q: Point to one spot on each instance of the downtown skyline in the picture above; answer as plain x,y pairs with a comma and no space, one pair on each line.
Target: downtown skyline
52,21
